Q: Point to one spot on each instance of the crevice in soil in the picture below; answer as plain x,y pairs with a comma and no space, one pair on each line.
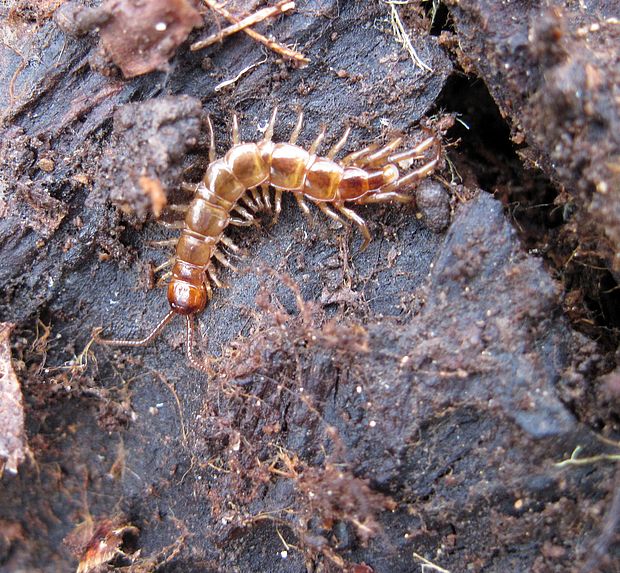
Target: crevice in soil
543,217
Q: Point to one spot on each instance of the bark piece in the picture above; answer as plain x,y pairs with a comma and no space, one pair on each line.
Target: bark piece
13,446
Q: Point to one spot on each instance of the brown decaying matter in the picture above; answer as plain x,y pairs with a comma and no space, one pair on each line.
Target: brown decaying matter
245,175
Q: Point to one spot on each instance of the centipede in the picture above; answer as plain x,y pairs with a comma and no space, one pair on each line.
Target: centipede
253,176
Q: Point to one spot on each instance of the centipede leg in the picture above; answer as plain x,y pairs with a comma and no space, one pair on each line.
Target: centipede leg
302,204
247,201
211,139
235,130
297,129
331,214
165,265
277,209
241,222
272,122
356,156
161,281
414,153
187,187
385,197
174,225
230,244
247,216
361,224
165,243
411,177
221,257
266,196
339,144
214,278
318,140
190,347
257,198
378,157
208,288
178,207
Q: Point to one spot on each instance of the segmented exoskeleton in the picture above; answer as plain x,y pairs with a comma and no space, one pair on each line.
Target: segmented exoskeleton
231,185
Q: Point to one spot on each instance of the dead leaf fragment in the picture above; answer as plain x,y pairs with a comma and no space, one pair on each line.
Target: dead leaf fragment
13,447
142,36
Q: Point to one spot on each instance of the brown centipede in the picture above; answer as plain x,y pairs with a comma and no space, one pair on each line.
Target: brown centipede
245,175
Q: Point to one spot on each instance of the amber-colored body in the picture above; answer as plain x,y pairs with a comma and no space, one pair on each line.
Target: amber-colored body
369,175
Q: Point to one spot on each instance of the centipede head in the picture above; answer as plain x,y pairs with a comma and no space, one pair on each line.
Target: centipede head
186,298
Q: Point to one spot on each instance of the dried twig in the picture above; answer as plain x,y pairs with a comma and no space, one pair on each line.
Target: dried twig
244,24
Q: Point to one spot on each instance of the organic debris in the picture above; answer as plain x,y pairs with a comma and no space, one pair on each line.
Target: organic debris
138,37
97,543
13,447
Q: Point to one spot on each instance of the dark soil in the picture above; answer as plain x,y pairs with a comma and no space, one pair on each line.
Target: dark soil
396,409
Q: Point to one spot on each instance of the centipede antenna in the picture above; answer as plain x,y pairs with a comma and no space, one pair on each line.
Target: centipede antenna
318,140
272,122
211,140
340,144
297,129
190,346
412,153
144,341
235,129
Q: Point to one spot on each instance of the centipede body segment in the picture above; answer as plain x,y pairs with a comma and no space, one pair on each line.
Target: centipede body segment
236,185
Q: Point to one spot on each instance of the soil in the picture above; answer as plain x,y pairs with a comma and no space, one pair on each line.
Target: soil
447,400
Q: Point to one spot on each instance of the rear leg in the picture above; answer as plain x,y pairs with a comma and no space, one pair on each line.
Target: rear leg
416,152
410,178
378,158
357,156
385,197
